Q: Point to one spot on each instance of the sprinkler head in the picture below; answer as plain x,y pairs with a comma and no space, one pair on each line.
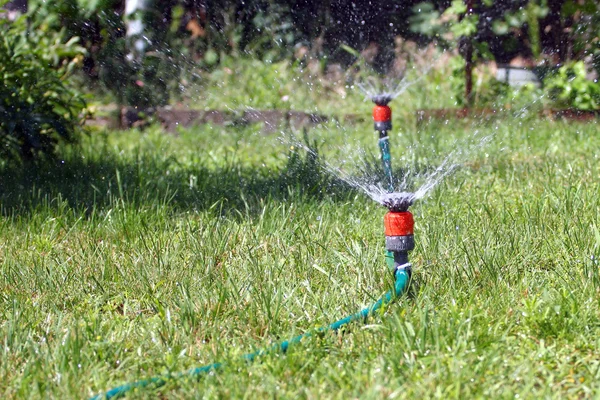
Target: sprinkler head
382,99
382,116
399,223
397,202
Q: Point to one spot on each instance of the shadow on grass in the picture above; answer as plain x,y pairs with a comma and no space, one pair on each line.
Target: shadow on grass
154,181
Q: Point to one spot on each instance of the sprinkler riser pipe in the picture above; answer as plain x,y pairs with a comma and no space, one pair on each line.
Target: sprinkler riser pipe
386,160
400,259
382,119
384,146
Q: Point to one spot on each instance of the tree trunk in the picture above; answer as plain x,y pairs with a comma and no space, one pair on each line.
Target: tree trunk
469,61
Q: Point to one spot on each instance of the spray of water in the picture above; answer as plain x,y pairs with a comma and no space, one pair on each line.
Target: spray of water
361,170
382,91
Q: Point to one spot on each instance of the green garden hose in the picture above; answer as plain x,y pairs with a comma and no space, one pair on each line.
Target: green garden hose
401,285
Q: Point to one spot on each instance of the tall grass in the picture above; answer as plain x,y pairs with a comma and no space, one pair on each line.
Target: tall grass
144,254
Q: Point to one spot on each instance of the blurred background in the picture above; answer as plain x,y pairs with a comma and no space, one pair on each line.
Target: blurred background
121,62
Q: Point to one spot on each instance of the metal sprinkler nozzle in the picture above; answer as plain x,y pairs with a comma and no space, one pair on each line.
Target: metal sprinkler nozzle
382,99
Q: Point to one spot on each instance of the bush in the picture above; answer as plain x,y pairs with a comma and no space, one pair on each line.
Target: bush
37,108
569,87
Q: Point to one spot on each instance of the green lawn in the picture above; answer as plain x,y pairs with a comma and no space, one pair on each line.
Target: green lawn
144,253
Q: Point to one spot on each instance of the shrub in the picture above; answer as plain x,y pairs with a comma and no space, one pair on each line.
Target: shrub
569,87
37,108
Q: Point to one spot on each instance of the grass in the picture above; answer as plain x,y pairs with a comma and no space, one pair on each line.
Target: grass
144,254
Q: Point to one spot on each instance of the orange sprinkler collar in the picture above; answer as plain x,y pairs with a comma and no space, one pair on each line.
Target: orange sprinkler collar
382,113
399,223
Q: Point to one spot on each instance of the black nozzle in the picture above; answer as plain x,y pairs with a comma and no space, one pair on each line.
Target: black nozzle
381,99
399,203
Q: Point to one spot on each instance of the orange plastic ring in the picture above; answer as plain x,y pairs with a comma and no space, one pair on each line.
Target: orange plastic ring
382,113
399,223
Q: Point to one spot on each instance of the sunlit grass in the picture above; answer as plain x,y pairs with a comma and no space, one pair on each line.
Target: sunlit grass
145,253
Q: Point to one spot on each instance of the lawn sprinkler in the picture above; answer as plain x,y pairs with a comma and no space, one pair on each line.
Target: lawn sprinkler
382,118
399,232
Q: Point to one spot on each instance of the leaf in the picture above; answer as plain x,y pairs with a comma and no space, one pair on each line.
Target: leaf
500,27
350,50
596,236
211,57
458,7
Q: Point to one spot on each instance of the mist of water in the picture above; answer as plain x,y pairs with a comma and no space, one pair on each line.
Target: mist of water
382,90
362,170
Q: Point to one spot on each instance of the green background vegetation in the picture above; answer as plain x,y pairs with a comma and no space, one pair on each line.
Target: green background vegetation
303,56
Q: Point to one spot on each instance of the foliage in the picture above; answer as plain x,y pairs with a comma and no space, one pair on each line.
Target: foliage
554,30
569,87
586,31
37,107
529,16
450,27
306,173
143,82
281,35
488,91
147,82
97,24
188,37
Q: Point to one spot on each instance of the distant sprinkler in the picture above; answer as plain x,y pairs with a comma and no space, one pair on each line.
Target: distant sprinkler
382,117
